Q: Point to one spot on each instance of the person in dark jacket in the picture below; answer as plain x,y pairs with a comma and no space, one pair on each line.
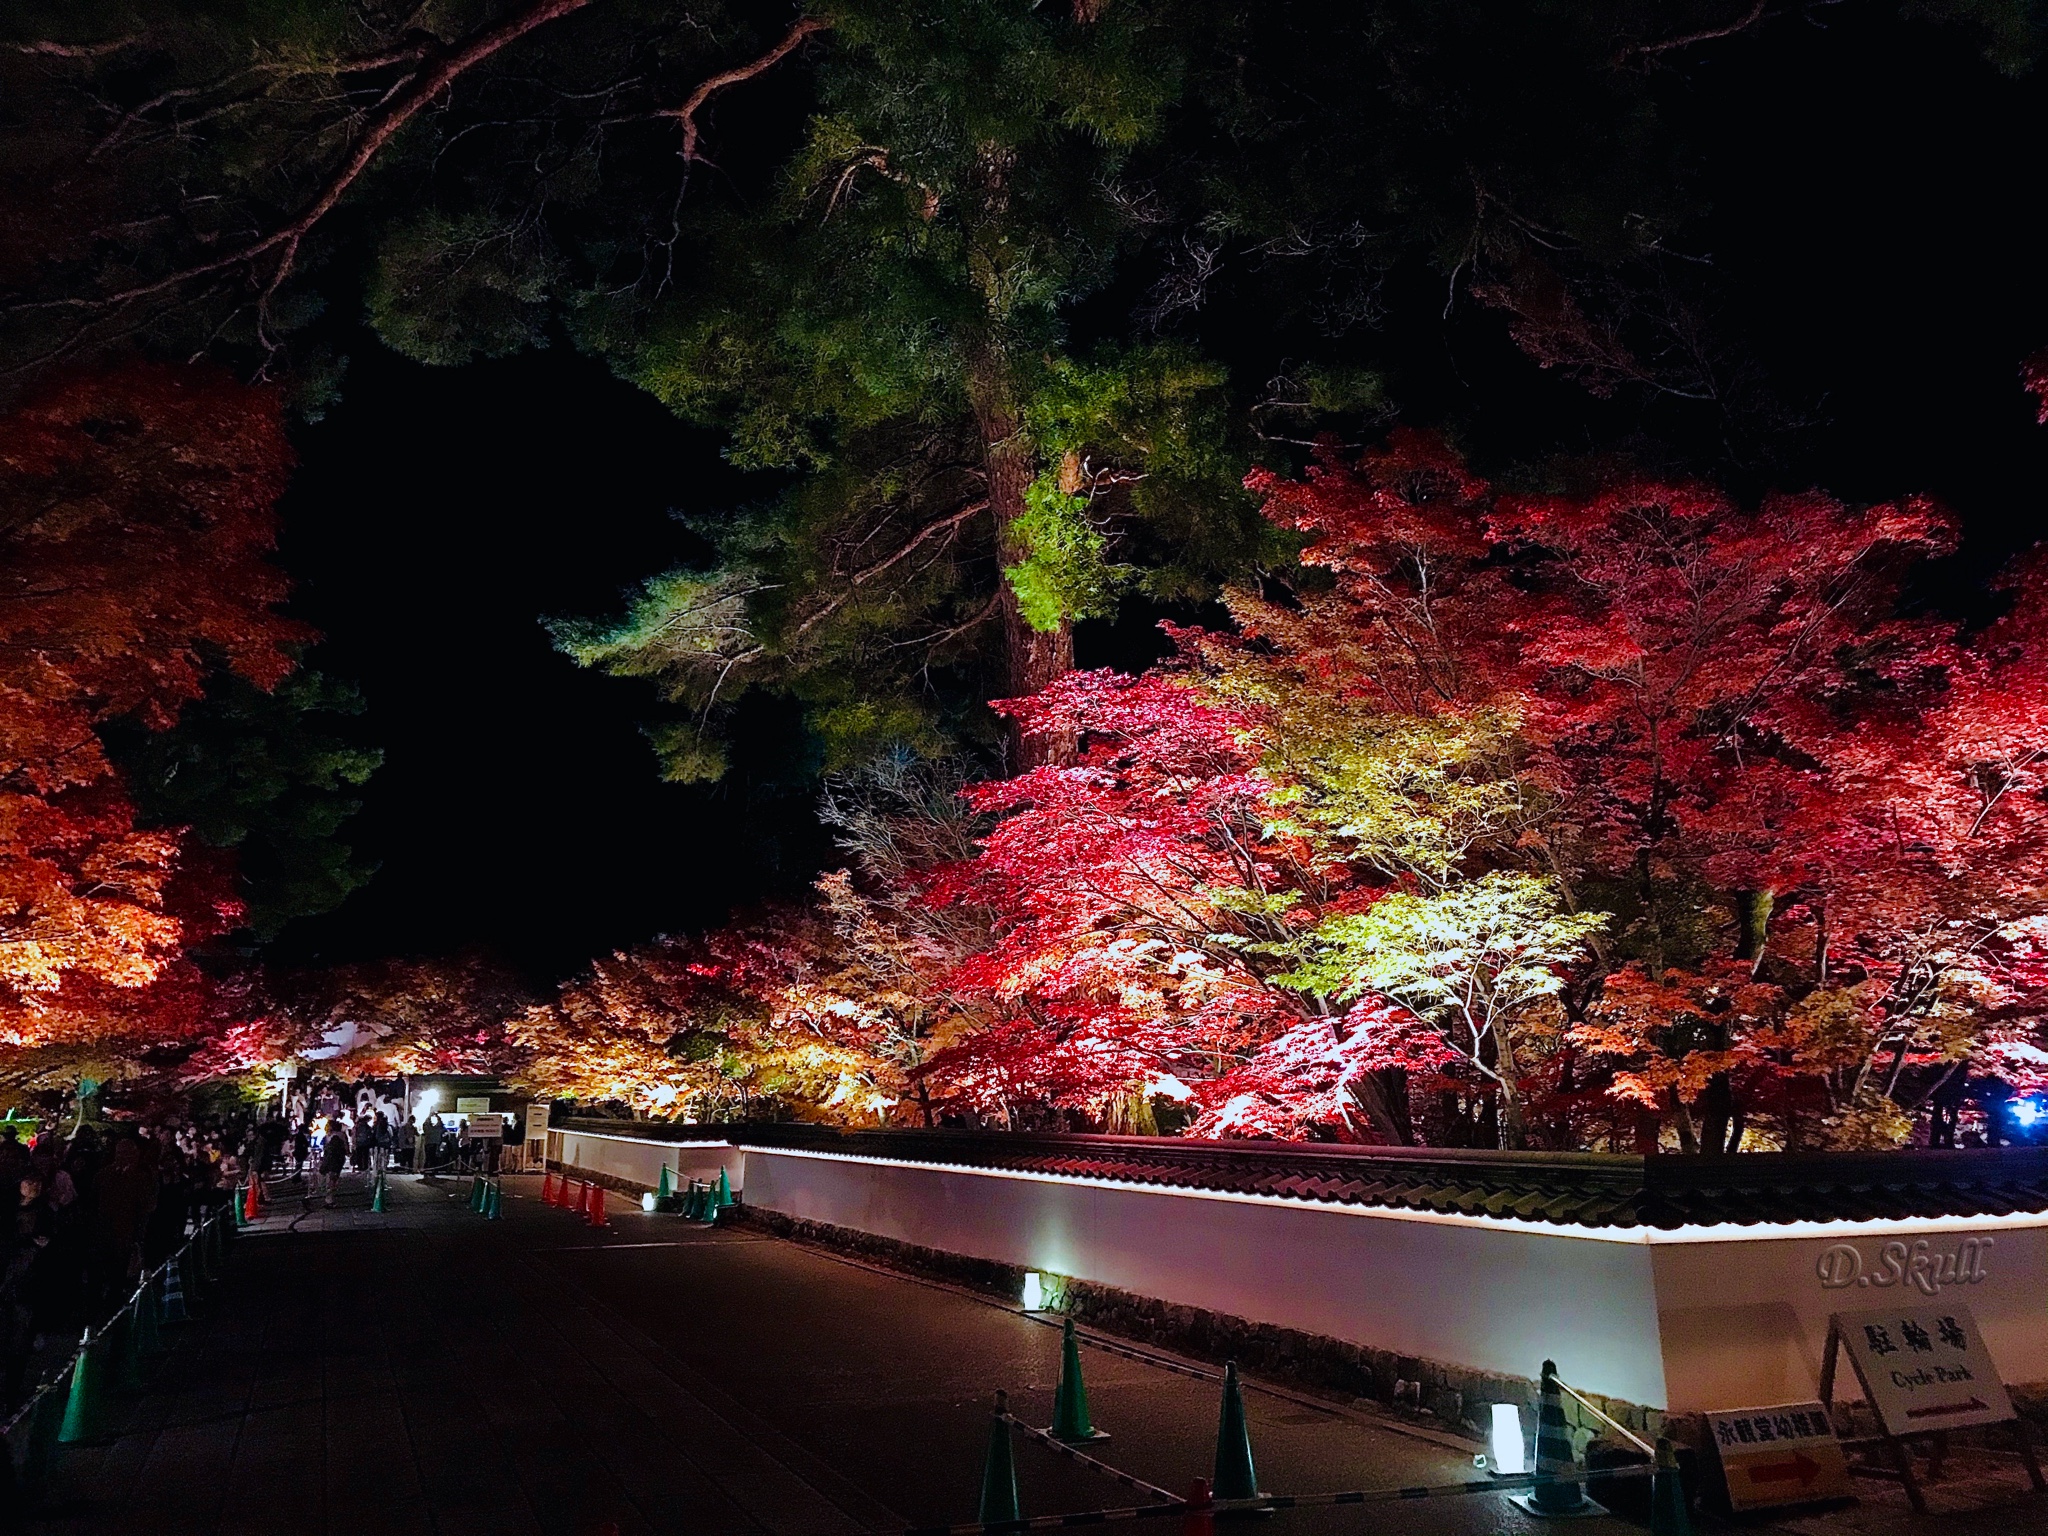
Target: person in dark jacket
333,1159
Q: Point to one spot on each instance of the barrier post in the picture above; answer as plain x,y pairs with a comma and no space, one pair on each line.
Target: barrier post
999,1471
128,1352
1235,1478
1668,1514
84,1412
1070,1421
1556,1492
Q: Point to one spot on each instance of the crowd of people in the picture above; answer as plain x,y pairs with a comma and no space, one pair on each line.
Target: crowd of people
85,1212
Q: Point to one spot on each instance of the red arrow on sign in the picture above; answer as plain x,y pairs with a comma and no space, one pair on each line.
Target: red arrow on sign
1974,1405
1801,1469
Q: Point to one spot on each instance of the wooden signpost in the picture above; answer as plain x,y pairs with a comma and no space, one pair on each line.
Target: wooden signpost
1924,1370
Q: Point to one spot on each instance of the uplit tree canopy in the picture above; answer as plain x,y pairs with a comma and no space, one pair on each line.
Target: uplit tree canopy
138,519
1613,814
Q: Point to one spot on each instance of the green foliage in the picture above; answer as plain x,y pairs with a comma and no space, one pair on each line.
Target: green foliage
265,774
1064,574
449,291
1472,959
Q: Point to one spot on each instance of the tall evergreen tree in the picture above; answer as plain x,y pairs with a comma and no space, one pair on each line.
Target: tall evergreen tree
268,774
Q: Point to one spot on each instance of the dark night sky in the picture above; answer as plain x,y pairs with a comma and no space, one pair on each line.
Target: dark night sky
436,517
1874,226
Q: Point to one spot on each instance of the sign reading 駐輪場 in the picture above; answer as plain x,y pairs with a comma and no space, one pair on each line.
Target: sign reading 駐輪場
1923,1367
1783,1455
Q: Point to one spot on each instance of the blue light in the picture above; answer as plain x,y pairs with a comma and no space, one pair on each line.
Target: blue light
2027,1111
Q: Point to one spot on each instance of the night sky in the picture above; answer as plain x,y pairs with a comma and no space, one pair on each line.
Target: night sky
1878,257
436,518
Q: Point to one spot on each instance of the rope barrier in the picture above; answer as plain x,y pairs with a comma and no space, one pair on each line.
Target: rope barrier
62,1376
1599,1413
1519,1482
1045,1438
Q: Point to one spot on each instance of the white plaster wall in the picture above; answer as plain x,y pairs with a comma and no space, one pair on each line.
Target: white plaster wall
1744,1322
1490,1297
639,1162
1689,1320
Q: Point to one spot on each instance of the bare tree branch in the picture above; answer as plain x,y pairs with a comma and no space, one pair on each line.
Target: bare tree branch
48,49
401,109
1743,23
686,114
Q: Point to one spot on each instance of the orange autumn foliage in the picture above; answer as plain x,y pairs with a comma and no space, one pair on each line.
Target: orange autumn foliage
136,518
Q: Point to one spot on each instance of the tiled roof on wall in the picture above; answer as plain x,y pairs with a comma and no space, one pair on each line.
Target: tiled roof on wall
1581,1189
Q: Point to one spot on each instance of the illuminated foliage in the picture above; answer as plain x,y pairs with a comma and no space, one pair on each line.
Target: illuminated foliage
137,518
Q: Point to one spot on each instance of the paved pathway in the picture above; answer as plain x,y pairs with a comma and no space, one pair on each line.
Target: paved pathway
423,1371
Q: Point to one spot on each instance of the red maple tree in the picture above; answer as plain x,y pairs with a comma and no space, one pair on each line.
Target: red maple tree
137,517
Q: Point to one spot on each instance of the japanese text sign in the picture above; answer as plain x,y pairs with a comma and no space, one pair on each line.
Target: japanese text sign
1924,1368
1783,1455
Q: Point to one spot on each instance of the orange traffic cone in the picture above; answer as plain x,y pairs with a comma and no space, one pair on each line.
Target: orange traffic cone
597,1216
568,1201
1200,1519
252,1208
547,1187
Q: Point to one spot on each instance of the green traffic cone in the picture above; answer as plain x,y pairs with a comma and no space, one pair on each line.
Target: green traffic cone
999,1472
148,1336
476,1194
44,1422
725,1199
196,1276
1070,1421
1235,1476
174,1290
1556,1490
241,1214
494,1201
1668,1514
377,1194
84,1412
128,1375
664,1190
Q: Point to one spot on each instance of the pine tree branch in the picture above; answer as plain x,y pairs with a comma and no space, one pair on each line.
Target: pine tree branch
1742,23
400,110
686,114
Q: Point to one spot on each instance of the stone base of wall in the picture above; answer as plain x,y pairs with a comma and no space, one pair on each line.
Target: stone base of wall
1431,1392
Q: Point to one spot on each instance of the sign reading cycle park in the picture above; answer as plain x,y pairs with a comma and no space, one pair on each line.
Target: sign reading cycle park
1783,1455
1924,1368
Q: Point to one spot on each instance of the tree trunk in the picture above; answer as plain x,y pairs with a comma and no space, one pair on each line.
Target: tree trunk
1717,1109
1753,923
1513,1136
1032,658
1389,1116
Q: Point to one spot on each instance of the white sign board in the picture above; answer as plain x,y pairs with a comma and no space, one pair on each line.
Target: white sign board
1924,1367
536,1122
472,1107
1783,1455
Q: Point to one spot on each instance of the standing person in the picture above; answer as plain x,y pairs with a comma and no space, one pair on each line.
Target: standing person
123,1196
404,1145
360,1142
302,1147
333,1159
380,1144
433,1143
